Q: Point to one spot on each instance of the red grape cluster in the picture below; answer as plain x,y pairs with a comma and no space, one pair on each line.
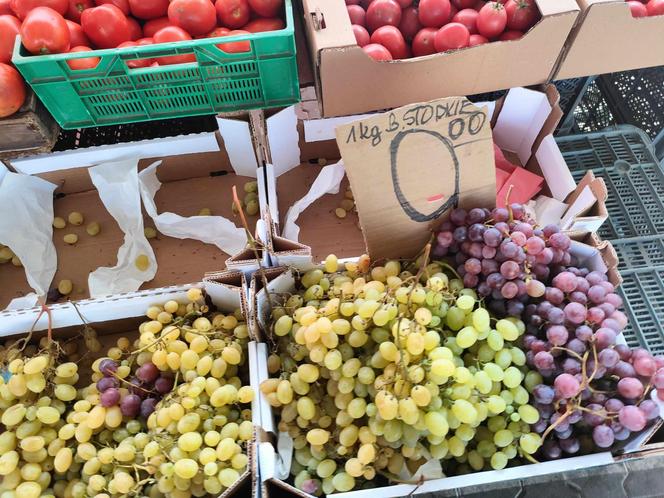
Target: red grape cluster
593,390
145,389
502,254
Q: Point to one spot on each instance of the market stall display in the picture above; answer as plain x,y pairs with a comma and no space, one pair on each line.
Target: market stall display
434,295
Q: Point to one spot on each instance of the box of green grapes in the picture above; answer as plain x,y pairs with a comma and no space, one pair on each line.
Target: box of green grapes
142,394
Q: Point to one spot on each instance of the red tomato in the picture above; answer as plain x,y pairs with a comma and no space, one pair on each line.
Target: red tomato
361,35
383,13
452,36
10,26
136,63
391,38
434,13
377,52
12,90
357,15
106,26
267,8
655,7
217,32
511,35
464,4
196,17
77,36
135,30
123,5
467,17
22,7
83,63
477,40
260,25
154,25
521,14
410,23
173,34
423,42
76,7
492,20
233,13
637,8
237,46
148,9
5,8
44,31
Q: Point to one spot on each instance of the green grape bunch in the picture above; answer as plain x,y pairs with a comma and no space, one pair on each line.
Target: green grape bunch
376,370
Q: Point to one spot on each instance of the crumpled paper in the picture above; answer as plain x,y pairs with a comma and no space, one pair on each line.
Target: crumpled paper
430,470
215,230
327,182
26,227
117,184
284,456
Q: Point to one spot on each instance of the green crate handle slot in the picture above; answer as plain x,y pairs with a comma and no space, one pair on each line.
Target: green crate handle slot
112,93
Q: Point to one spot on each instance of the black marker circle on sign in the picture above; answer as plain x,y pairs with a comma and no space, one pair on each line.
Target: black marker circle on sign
408,208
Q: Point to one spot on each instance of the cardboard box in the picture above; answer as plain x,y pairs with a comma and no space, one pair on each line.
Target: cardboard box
349,82
274,460
197,171
121,315
608,39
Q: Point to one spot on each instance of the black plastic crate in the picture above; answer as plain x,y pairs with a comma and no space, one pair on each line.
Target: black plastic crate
624,158
592,112
637,98
133,132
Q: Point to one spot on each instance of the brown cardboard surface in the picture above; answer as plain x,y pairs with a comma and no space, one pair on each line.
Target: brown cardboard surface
180,261
320,228
410,166
349,82
608,39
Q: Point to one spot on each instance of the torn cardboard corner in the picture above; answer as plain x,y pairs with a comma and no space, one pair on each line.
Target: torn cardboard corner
284,252
587,206
409,167
607,252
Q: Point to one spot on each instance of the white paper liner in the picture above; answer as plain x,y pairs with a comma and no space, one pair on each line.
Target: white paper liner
26,227
117,184
430,470
284,458
215,230
327,182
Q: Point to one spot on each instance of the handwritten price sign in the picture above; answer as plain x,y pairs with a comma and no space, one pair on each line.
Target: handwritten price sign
409,167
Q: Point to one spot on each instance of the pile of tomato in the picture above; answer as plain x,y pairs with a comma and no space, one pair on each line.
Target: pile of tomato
646,8
400,29
59,26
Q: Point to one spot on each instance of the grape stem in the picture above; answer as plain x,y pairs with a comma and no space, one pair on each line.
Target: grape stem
557,422
568,351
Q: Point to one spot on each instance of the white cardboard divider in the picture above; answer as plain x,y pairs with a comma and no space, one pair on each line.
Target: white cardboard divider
284,140
520,120
554,168
487,477
132,304
240,147
81,158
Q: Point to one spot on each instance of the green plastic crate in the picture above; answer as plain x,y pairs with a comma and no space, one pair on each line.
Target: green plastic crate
113,93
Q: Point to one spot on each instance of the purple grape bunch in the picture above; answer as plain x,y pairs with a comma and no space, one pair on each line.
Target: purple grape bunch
145,389
502,254
594,390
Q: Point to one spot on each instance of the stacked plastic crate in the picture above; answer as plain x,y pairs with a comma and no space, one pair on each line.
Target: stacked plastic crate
625,159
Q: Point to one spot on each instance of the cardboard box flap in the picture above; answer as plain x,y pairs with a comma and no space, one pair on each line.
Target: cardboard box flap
448,142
